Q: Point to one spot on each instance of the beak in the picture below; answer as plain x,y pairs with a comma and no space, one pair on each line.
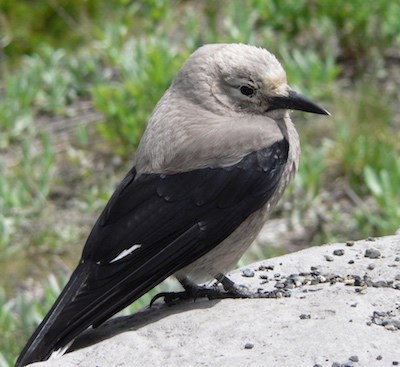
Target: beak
295,101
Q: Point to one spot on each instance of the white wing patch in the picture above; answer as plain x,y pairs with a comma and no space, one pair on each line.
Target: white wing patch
125,253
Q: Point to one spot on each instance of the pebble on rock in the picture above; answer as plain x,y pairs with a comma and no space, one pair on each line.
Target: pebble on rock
354,358
248,273
249,346
279,285
338,252
266,267
372,253
390,327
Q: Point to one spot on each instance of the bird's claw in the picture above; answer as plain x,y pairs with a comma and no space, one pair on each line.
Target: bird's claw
231,290
170,298
192,292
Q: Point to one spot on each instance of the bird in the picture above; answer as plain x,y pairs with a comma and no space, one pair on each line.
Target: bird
215,158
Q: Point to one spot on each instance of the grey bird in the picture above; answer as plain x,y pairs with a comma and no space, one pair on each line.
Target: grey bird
215,158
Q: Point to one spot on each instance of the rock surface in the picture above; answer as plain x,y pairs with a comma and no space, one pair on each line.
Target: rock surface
343,310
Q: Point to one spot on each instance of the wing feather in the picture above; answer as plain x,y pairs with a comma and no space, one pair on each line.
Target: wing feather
175,219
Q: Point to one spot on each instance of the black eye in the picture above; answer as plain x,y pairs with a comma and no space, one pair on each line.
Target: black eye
246,90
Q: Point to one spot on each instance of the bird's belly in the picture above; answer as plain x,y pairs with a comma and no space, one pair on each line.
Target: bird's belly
225,256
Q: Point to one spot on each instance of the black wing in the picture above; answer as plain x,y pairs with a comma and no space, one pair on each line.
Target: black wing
175,219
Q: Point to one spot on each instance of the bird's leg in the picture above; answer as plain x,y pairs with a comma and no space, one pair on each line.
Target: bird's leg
231,290
192,291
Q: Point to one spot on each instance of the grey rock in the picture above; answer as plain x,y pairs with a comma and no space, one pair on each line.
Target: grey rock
248,273
266,267
372,253
279,285
354,359
338,252
214,333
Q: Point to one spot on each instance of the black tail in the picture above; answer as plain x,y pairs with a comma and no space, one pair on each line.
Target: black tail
46,338
93,294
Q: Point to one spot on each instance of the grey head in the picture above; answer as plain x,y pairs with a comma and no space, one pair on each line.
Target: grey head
227,100
239,78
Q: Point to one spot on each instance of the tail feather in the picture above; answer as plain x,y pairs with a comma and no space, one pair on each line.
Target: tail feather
40,346
86,300
96,292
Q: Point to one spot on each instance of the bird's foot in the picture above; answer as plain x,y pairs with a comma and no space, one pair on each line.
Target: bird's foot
192,291
231,290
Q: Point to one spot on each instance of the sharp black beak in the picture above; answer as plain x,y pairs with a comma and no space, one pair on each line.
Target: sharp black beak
295,101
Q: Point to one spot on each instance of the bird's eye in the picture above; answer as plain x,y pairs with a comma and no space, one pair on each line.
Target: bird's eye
246,90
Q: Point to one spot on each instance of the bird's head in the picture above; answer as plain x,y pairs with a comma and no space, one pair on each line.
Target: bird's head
242,78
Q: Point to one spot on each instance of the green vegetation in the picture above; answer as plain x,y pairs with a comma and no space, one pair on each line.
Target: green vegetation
125,104
80,79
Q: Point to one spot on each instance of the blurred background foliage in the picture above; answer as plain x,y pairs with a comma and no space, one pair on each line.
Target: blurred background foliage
79,79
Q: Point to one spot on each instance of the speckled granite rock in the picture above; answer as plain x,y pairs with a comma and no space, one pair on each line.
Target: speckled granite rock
342,306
